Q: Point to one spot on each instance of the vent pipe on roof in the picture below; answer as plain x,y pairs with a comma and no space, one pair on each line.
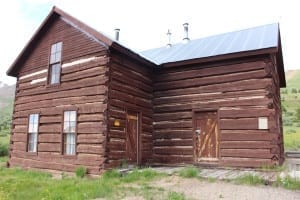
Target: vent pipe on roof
186,38
169,45
117,34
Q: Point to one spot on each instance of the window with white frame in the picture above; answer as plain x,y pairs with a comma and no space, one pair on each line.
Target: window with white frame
69,131
33,132
55,63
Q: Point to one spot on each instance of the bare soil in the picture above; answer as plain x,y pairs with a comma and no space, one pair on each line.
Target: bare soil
197,189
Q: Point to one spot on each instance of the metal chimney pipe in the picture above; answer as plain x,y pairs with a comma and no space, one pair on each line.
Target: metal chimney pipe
117,34
169,38
186,38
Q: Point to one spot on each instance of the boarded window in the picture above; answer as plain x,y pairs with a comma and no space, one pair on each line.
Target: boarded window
69,138
55,63
33,132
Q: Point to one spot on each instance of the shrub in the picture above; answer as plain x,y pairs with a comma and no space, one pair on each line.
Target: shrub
189,172
288,183
3,149
80,172
294,90
290,131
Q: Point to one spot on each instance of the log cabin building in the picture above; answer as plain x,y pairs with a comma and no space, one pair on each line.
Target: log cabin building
83,99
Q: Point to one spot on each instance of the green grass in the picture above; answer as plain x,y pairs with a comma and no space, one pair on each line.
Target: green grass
189,172
175,196
291,102
19,184
249,180
288,183
291,139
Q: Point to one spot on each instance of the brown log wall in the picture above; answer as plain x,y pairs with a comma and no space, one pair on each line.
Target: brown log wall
241,91
83,87
130,88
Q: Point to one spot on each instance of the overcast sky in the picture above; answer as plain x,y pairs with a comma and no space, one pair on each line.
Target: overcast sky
144,24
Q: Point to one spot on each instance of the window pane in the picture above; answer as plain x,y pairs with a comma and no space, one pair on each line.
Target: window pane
73,116
58,46
32,142
57,57
53,48
55,73
70,144
67,116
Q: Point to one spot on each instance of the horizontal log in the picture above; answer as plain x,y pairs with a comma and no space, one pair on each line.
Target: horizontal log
208,96
247,153
173,151
170,134
91,117
117,134
244,136
244,123
49,147
50,119
84,74
208,71
48,128
19,146
258,74
88,91
92,108
170,159
242,85
245,162
91,149
250,112
90,138
19,137
99,62
173,142
86,82
59,102
172,116
173,124
50,138
246,145
116,145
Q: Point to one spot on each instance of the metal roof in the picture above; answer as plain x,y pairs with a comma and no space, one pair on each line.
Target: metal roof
256,38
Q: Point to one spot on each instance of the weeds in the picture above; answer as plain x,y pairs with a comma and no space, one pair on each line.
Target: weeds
175,196
80,172
288,183
189,172
249,180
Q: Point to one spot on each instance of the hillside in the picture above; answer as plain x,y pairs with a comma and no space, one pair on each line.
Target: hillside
6,104
290,97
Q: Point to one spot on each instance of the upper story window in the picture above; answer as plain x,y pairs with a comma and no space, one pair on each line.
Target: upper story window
55,63
33,132
69,131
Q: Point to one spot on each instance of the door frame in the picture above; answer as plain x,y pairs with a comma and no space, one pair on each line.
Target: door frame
139,130
203,110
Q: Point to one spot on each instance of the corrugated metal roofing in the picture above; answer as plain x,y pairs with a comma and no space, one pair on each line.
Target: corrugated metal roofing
256,38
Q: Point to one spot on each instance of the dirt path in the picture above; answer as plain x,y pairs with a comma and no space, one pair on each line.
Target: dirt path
196,189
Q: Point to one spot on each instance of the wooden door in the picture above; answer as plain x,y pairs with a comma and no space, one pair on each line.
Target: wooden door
206,137
132,129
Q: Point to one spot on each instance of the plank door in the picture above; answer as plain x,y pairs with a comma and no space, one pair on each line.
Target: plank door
132,137
206,137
